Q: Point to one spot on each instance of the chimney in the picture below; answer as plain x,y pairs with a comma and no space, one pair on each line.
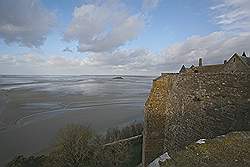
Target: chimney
244,54
200,62
225,61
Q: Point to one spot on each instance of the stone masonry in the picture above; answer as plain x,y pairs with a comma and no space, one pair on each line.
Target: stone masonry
196,103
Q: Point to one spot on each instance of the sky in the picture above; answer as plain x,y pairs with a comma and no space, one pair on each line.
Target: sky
122,37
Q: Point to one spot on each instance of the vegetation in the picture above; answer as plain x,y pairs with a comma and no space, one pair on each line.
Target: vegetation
79,146
32,161
229,150
131,130
75,146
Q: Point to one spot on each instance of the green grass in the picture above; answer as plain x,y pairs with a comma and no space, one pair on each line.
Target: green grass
232,149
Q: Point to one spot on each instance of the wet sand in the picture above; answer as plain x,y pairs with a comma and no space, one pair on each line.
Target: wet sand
30,117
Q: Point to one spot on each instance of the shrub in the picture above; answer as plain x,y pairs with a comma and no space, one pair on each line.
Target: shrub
32,161
75,146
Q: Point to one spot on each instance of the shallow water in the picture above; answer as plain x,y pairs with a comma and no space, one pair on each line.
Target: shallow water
34,108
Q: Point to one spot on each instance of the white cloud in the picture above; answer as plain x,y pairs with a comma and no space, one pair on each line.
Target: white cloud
149,4
126,61
123,62
213,48
60,61
32,59
232,15
26,22
100,27
7,59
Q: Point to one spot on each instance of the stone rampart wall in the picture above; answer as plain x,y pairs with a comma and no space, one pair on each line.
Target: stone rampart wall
186,107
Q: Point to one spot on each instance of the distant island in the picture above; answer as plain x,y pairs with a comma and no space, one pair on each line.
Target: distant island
118,78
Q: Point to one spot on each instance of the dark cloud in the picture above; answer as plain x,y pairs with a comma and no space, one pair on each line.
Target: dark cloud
67,50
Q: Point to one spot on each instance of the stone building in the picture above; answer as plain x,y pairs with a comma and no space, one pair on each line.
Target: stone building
235,64
198,102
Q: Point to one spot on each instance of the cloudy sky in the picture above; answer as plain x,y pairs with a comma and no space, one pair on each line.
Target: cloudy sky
139,37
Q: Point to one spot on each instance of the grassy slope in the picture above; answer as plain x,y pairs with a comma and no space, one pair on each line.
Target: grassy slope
232,149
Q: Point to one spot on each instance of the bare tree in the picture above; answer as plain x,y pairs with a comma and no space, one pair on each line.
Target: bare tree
75,147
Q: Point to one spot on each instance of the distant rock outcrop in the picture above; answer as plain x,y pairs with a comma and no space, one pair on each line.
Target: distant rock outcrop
118,78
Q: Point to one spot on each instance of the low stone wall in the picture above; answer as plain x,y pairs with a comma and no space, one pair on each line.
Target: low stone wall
129,141
183,108
125,152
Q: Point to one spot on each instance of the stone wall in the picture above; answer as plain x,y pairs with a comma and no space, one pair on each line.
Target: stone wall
235,64
183,108
124,152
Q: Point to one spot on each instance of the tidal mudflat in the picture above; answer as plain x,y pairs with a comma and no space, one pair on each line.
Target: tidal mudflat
34,108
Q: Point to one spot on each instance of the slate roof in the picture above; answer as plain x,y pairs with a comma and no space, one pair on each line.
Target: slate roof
245,60
210,68
183,69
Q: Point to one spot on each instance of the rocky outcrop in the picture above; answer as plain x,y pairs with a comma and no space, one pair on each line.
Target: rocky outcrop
183,108
118,78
